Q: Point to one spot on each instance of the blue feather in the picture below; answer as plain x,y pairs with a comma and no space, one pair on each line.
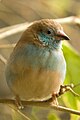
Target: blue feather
49,41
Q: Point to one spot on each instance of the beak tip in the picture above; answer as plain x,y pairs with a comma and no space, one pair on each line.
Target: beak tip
63,35
66,38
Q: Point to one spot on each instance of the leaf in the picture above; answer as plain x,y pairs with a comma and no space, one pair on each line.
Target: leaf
53,116
72,58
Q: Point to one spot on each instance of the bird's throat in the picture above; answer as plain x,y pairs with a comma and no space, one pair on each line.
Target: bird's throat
49,41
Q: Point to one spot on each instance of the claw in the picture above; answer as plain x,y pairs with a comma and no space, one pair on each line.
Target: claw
18,102
65,88
54,99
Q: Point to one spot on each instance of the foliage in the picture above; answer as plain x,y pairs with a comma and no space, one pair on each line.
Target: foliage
72,76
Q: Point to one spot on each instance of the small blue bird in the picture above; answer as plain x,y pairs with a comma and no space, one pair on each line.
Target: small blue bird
36,67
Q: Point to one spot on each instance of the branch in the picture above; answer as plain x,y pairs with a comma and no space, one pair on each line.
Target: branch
3,59
8,31
69,20
7,45
14,29
41,104
19,111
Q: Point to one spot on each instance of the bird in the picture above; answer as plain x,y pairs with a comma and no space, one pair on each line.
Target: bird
36,68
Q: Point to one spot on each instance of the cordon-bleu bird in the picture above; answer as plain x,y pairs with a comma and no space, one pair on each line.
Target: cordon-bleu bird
36,67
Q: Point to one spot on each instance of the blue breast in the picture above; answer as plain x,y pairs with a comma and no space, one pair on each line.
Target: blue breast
34,57
38,57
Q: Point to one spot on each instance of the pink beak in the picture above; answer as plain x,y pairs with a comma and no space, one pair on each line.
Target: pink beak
61,36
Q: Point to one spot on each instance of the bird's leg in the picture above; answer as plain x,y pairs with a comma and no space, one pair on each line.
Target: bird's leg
54,99
63,89
18,102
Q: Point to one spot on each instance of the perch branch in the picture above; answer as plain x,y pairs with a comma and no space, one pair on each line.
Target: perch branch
41,104
8,31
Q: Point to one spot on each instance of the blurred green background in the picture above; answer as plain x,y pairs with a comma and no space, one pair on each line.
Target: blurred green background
13,12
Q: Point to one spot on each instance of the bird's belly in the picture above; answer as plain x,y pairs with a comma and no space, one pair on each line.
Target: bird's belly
38,84
36,76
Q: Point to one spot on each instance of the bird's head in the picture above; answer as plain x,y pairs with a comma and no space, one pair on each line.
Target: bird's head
47,33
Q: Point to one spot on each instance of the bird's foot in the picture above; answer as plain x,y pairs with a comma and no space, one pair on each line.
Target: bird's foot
65,88
54,99
18,102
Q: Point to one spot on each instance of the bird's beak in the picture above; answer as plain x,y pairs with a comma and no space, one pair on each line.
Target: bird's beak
61,36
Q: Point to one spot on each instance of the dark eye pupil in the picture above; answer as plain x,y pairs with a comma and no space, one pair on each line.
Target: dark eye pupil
48,32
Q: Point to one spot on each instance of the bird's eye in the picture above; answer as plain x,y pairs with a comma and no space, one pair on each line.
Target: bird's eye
49,32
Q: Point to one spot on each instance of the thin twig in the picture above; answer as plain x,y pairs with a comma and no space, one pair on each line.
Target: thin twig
8,31
69,20
20,112
69,87
41,104
3,59
7,45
